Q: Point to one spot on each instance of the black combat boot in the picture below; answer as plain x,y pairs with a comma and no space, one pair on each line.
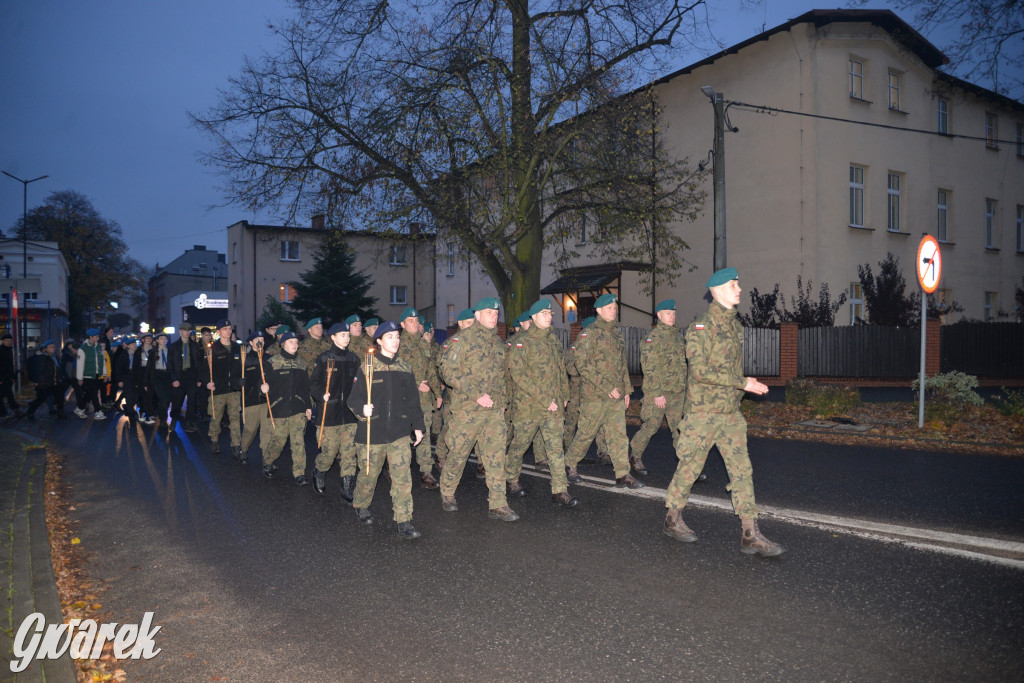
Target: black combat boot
240,455
564,500
407,532
319,481
364,516
348,488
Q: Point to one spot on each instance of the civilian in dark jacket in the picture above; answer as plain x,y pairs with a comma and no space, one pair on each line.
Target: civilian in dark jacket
158,371
389,415
185,362
68,360
140,378
124,381
45,371
333,414
288,387
7,377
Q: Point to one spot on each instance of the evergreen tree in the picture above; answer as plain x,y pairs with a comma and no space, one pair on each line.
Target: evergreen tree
885,296
275,312
332,288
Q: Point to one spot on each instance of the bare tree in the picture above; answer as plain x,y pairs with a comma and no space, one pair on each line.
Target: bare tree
501,124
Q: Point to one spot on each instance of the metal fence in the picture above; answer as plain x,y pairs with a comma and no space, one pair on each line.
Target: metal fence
858,351
983,349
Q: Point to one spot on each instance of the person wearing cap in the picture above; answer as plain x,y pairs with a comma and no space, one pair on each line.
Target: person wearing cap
333,413
536,364
474,367
360,342
159,379
255,417
270,338
288,387
369,329
140,378
46,375
314,343
714,389
225,382
391,414
203,397
185,363
124,381
90,371
663,361
68,361
521,324
415,351
7,377
572,410
464,320
604,393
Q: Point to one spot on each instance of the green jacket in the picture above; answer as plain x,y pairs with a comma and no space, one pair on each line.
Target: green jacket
663,360
714,349
536,364
473,364
600,355
416,351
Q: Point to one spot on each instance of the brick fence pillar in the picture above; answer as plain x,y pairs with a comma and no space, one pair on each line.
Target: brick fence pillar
574,331
788,351
933,347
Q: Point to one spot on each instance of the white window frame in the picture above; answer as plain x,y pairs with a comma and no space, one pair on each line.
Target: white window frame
451,260
287,252
991,209
1020,229
451,315
991,130
856,302
398,255
399,295
991,301
942,215
893,201
286,293
895,85
856,73
943,116
857,177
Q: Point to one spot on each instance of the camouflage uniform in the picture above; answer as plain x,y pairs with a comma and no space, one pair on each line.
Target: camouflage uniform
663,359
254,415
536,364
473,365
227,396
714,349
359,345
415,350
310,349
289,399
572,410
601,361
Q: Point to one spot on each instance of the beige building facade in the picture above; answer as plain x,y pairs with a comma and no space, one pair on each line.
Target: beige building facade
850,145
264,259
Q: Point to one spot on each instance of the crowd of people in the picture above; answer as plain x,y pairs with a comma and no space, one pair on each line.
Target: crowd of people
372,392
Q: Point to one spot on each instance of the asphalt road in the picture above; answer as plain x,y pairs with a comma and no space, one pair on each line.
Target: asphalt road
259,581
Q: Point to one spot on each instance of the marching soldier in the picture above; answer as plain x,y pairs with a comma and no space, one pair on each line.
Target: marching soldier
537,367
331,381
369,328
416,353
270,338
464,320
360,342
225,381
288,387
475,370
388,416
314,344
663,359
203,397
255,418
604,393
714,349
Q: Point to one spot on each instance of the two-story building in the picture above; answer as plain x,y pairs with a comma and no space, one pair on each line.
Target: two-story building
42,290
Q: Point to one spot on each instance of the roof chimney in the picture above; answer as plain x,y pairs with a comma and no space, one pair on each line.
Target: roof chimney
318,222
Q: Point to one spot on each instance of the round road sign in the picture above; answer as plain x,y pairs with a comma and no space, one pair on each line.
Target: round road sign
929,264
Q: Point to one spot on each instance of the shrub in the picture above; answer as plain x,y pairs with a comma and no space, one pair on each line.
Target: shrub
946,396
824,400
1011,403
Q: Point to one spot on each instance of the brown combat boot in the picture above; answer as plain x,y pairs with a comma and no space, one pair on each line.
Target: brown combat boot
428,482
676,528
504,513
516,489
628,482
753,541
638,466
448,504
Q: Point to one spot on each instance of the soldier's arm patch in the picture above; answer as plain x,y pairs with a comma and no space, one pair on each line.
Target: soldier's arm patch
698,326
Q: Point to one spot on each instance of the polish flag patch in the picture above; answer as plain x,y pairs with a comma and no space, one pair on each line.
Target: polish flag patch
698,326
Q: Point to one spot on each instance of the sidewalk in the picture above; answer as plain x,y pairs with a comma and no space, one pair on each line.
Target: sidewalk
26,573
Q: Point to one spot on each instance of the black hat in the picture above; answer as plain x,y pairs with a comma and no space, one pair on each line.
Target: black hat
384,328
254,335
336,328
223,322
286,336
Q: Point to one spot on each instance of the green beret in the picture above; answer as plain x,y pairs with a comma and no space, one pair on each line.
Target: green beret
370,322
587,321
427,327
466,314
283,329
351,319
314,321
409,312
722,276
666,305
486,303
423,321
540,305
604,300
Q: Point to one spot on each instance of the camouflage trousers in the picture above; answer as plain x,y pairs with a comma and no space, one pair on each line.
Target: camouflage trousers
698,432
424,453
607,416
572,419
398,456
651,416
539,428
441,450
232,405
293,430
338,443
484,429
256,420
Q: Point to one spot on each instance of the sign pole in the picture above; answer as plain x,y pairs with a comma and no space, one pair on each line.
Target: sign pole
929,270
921,378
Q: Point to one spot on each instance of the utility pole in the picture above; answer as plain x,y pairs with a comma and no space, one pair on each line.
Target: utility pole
718,161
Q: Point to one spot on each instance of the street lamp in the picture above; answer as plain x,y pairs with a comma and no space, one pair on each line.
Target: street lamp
24,253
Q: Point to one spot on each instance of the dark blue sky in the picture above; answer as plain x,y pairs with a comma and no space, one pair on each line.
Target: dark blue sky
95,95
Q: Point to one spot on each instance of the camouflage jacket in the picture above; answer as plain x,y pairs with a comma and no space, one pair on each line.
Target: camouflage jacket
359,345
473,364
310,349
663,359
600,358
714,349
536,363
415,351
